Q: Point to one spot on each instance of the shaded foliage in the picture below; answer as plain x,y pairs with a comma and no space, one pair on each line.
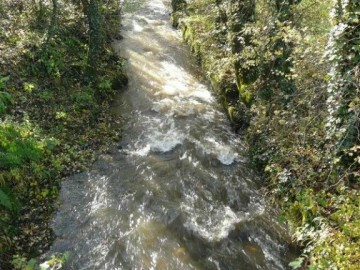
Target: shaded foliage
298,93
51,113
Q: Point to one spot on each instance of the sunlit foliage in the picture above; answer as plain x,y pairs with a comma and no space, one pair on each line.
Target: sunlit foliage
289,71
58,74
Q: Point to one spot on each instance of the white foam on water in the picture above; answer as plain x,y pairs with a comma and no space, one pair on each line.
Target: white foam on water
157,141
257,206
223,152
164,105
183,84
154,258
226,156
173,88
165,142
137,27
183,156
100,199
215,262
141,152
203,93
209,115
213,225
212,221
157,5
177,106
268,246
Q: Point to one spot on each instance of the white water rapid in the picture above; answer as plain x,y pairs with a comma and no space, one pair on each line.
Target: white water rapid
177,192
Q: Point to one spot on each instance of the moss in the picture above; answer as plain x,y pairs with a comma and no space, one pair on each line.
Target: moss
245,94
231,111
178,8
281,80
175,17
195,27
178,5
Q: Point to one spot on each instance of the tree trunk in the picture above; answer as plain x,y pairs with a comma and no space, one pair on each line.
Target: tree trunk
240,13
96,37
53,22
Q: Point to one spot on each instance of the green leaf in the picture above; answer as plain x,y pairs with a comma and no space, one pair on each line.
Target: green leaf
5,200
5,100
31,264
297,263
3,80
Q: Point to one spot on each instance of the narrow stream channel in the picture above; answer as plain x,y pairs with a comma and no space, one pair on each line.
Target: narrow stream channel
177,192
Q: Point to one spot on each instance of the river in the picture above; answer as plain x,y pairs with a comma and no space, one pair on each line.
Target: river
177,192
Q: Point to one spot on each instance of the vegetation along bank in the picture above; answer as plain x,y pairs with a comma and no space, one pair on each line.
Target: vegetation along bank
288,74
58,75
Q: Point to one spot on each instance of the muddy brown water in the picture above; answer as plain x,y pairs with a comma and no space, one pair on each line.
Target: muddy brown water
177,193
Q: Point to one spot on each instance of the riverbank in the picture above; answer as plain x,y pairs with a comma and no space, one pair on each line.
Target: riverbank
54,118
273,81
177,193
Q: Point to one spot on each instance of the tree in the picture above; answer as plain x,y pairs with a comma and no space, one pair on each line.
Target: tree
275,72
54,17
344,50
94,15
240,14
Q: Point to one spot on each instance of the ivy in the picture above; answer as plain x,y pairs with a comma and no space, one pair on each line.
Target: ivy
297,82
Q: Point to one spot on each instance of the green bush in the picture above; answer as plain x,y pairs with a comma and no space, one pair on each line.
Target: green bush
296,95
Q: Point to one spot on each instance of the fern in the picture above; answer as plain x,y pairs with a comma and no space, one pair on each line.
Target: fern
16,149
5,200
5,100
3,80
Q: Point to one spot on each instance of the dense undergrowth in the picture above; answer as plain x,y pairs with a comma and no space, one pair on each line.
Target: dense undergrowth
55,94
288,73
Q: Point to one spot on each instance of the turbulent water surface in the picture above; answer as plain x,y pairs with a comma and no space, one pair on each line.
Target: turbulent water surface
176,193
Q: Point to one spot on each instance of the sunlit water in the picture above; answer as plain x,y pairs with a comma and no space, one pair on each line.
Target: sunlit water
177,192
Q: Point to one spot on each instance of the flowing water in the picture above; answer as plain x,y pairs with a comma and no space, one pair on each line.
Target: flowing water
177,192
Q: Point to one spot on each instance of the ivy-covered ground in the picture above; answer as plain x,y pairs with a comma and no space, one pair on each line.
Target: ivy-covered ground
287,73
53,119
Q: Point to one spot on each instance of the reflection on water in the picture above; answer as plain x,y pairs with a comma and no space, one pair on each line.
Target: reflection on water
176,193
